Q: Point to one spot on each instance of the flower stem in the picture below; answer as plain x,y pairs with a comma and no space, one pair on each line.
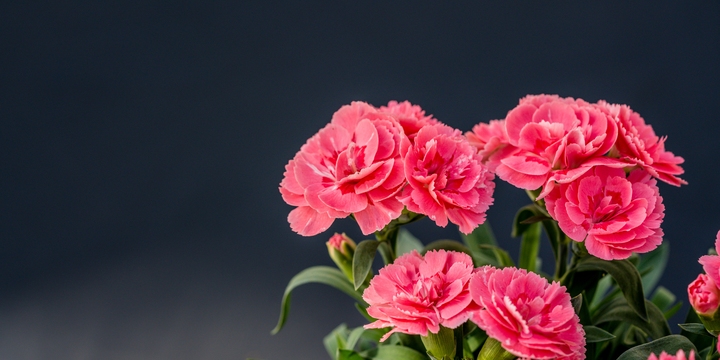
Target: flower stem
493,350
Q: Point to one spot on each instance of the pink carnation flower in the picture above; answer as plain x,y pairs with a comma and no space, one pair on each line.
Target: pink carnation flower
679,356
415,295
351,166
711,263
557,140
614,215
446,177
491,140
638,144
411,117
531,318
704,295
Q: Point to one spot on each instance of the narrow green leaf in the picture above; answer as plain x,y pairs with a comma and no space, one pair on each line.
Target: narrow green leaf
475,338
577,302
482,235
652,265
353,337
395,352
673,310
530,247
670,344
697,329
663,298
446,244
499,257
406,243
656,326
345,354
525,213
554,235
625,275
362,261
316,274
364,312
594,334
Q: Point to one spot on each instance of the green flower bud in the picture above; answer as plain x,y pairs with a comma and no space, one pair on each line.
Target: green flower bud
493,350
440,346
341,249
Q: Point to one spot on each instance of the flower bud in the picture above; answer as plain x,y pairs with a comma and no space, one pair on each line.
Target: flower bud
440,346
704,297
493,350
341,249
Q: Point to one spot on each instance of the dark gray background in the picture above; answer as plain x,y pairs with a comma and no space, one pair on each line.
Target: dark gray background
143,143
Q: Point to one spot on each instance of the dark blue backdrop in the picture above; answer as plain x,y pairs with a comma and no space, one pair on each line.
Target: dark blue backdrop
142,146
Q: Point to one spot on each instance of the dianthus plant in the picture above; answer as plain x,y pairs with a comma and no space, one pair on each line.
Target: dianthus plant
593,173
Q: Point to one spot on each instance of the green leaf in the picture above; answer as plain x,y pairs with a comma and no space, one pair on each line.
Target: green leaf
362,261
577,302
555,236
500,257
664,300
652,265
625,275
406,243
349,355
525,213
364,312
697,329
482,235
446,244
395,352
701,342
618,310
594,334
316,274
529,247
353,337
335,340
481,242
670,344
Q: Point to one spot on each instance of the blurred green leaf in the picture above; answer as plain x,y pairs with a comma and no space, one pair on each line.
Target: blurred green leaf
316,274
524,213
353,337
670,344
345,354
406,243
577,302
618,310
362,261
625,275
652,265
482,235
665,301
335,340
446,244
595,334
396,352
530,247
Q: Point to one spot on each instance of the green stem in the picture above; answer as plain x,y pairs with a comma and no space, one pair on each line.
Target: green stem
561,264
493,350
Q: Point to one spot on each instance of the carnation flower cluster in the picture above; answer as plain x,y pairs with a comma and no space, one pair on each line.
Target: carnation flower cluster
372,162
592,172
594,164
532,318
